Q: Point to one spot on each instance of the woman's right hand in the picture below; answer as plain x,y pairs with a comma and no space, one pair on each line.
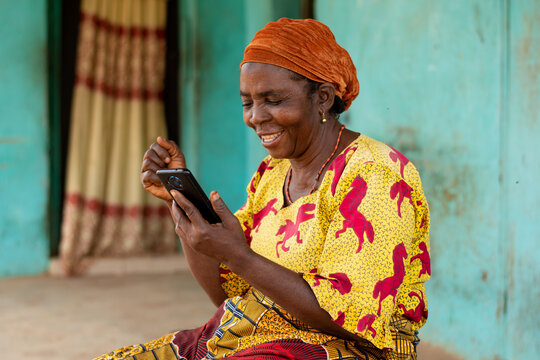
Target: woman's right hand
163,154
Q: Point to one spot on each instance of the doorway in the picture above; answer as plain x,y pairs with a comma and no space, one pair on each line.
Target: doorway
63,31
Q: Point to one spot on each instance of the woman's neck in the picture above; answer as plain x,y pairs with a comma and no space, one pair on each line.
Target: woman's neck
304,169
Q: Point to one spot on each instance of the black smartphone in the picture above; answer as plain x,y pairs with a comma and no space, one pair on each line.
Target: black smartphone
183,181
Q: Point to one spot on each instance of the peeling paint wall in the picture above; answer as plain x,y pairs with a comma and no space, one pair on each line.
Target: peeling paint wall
520,174
24,161
455,86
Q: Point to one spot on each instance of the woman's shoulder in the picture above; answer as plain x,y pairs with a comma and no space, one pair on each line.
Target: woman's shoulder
382,156
268,168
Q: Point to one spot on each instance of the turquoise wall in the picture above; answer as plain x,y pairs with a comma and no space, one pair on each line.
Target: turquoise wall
221,151
520,170
452,84
211,118
24,160
455,86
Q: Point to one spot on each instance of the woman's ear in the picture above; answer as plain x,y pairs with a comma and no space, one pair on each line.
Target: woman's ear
326,95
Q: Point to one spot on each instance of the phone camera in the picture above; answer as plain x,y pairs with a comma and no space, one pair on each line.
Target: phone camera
176,182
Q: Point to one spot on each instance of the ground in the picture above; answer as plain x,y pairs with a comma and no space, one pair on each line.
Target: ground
118,303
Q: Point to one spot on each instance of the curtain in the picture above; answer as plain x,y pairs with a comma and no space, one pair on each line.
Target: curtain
117,112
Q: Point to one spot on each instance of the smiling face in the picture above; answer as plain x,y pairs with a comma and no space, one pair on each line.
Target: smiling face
280,109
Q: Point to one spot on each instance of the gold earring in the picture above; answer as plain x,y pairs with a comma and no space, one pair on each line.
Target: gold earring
323,119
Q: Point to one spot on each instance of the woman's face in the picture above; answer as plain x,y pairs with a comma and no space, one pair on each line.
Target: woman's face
280,109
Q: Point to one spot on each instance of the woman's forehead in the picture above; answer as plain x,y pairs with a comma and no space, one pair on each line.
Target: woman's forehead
261,77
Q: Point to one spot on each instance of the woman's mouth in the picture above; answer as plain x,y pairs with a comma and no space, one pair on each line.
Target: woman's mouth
270,139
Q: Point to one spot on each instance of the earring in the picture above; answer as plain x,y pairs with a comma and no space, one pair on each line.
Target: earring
323,118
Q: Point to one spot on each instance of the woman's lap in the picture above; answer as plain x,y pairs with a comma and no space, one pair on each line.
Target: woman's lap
185,344
191,345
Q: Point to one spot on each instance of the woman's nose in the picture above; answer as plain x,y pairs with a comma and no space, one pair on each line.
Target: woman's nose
259,115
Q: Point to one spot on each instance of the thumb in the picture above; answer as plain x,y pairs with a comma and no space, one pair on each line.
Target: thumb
221,208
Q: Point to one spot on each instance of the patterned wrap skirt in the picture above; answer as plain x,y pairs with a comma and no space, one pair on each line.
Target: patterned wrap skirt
254,327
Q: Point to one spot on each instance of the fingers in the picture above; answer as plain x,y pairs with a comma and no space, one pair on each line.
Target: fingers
148,172
162,154
157,154
190,225
176,159
180,220
152,165
166,144
205,238
190,211
220,207
153,160
149,178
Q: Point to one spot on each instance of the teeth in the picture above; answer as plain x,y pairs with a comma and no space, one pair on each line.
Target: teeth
270,138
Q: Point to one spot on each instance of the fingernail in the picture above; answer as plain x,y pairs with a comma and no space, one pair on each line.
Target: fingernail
168,160
215,195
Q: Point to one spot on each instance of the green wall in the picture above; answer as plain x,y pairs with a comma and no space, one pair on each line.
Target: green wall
520,170
212,128
455,86
24,160
221,151
219,148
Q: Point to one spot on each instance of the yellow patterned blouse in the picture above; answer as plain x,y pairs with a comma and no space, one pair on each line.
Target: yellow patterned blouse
360,241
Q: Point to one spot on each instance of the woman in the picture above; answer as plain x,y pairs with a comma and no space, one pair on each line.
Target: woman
328,257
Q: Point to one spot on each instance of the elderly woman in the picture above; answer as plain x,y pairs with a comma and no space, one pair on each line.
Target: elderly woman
328,257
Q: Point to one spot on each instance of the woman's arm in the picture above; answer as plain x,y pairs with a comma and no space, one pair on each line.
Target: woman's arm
225,242
289,290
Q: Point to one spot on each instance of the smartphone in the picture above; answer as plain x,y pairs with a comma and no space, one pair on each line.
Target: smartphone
183,181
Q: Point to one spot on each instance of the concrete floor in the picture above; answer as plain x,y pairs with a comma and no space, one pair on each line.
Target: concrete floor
47,317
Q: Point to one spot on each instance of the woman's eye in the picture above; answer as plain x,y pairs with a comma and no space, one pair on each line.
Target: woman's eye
273,102
246,104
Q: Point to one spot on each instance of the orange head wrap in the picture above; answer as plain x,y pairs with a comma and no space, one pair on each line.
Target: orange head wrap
308,48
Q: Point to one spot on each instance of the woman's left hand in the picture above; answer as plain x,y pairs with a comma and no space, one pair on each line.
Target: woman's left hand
221,241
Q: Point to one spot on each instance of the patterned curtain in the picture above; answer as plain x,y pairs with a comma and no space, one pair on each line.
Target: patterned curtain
117,112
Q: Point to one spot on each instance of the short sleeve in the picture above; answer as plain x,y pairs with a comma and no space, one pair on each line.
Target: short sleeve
364,255
232,284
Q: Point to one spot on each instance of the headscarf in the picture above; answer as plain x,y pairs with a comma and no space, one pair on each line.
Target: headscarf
308,48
